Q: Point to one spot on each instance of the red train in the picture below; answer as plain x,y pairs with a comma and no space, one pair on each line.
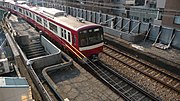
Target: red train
82,38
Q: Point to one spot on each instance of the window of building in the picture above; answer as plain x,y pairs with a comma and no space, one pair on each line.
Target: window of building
177,19
53,27
38,19
160,13
134,17
145,20
160,16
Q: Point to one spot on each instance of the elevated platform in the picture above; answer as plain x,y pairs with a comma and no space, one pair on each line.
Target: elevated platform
168,59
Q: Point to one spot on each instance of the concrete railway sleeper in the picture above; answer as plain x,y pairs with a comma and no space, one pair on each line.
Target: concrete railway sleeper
148,70
124,87
160,82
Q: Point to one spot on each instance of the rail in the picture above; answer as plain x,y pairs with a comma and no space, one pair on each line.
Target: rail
124,87
144,67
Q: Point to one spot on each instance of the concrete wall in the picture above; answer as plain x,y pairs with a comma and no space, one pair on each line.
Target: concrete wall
53,58
161,3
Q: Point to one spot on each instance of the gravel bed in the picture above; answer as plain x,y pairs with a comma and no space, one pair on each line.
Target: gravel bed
165,93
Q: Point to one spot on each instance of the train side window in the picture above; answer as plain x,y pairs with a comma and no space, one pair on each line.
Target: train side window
27,13
65,34
53,27
62,33
30,14
15,8
69,37
12,7
59,31
20,10
33,16
38,19
45,23
24,12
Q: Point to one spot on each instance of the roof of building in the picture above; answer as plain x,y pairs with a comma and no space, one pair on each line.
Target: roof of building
13,82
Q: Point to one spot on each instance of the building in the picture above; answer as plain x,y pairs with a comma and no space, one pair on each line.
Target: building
145,13
116,7
169,13
14,89
142,13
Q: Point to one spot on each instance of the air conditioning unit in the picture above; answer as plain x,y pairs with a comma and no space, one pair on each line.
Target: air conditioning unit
4,66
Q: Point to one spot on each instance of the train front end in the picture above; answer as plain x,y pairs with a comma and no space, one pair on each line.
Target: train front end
91,41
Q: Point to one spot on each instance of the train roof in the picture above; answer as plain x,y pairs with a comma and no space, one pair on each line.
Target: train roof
60,17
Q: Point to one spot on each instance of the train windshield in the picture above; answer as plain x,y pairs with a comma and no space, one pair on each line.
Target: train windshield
90,36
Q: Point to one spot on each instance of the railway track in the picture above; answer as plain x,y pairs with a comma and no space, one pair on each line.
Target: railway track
124,87
140,67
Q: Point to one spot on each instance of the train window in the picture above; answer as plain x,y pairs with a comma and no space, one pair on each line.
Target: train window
59,31
30,15
65,34
27,13
62,33
33,16
90,36
85,31
96,30
90,31
45,23
8,5
20,10
69,36
24,12
53,27
38,19
14,8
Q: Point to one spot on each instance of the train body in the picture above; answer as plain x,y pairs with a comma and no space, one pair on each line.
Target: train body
82,38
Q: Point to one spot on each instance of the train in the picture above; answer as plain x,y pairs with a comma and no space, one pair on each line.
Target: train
81,38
